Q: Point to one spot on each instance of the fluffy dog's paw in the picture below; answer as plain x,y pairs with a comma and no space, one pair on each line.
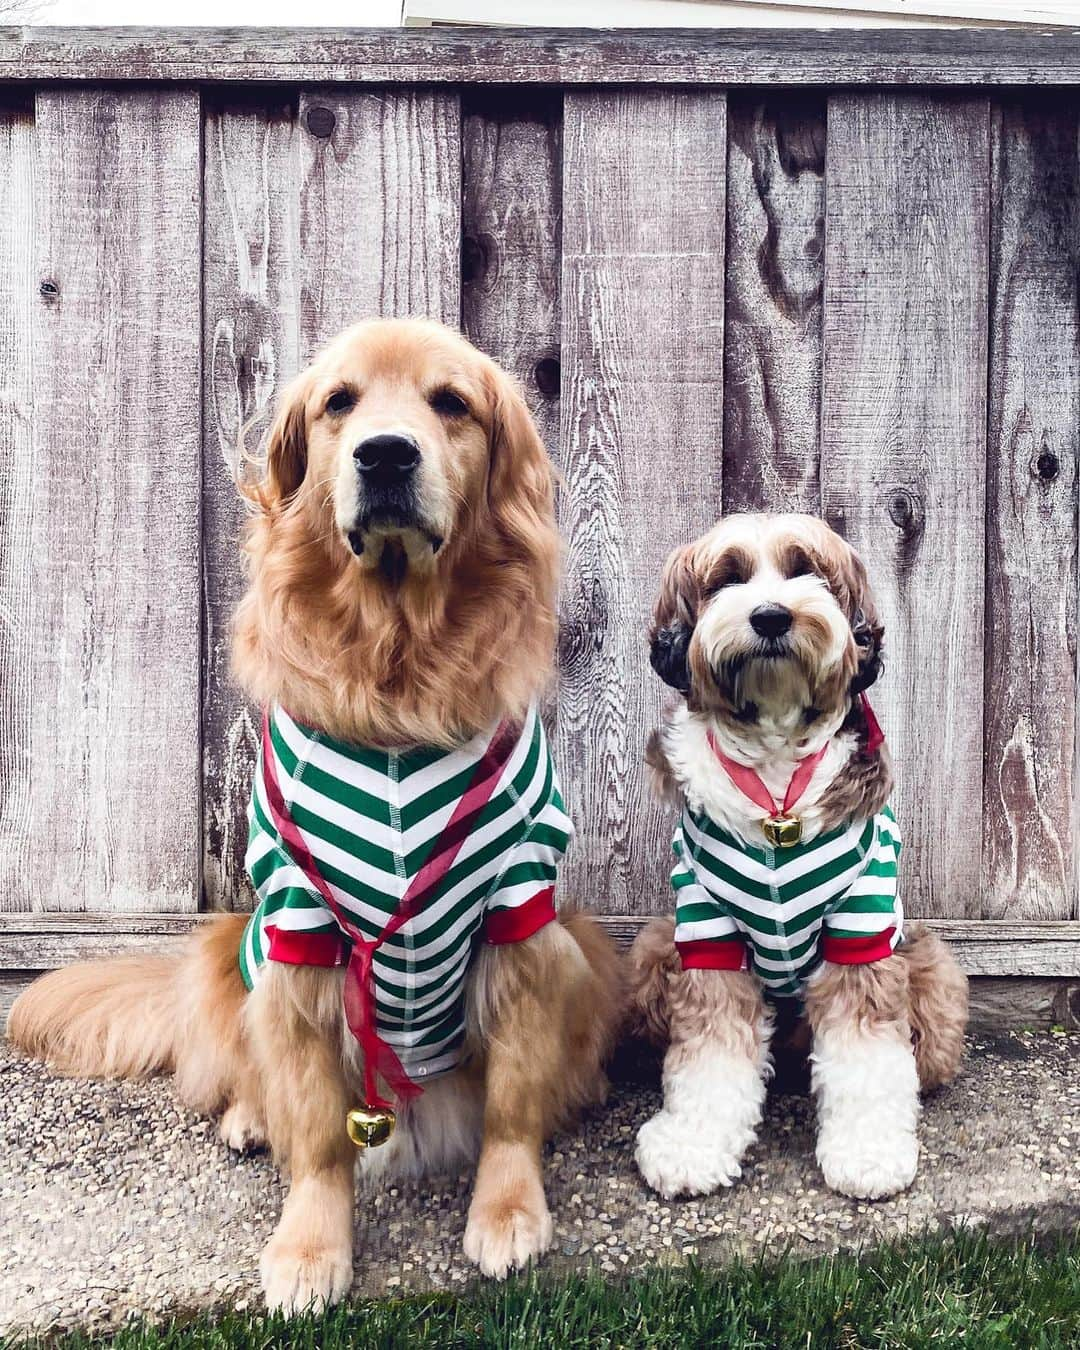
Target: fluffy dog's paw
242,1128
507,1235
676,1156
871,1164
868,1112
296,1278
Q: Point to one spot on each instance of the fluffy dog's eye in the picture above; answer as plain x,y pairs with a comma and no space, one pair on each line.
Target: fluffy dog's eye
734,567
341,400
797,564
732,574
448,404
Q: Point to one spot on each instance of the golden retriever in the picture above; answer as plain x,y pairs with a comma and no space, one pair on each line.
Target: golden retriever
403,561
786,868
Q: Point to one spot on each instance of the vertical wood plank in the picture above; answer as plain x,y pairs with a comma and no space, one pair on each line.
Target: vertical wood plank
903,447
17,294
115,541
251,336
512,252
511,249
772,318
349,209
380,208
1031,545
643,313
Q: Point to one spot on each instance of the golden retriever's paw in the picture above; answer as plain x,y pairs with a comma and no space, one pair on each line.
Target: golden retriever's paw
242,1128
503,1235
296,1279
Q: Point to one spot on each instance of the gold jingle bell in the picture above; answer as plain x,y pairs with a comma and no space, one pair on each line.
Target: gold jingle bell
370,1126
782,831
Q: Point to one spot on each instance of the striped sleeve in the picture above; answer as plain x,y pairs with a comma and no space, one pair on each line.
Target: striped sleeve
706,937
867,924
522,899
291,923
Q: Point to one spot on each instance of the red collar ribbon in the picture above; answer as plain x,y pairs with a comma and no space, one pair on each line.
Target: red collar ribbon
875,737
750,783
359,997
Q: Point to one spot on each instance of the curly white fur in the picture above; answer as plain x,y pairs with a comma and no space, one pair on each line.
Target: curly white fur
868,1110
712,1108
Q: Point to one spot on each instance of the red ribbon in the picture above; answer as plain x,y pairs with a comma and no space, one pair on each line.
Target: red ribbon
750,783
875,737
380,1059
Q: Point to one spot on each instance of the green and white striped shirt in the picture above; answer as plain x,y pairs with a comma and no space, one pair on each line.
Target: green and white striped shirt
371,820
780,911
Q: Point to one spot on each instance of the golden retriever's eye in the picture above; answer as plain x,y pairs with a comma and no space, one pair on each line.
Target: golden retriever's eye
448,404
341,400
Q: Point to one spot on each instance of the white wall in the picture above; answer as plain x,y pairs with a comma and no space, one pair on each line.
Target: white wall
222,13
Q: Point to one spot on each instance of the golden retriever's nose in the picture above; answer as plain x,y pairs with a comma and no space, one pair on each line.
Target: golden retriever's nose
387,458
770,621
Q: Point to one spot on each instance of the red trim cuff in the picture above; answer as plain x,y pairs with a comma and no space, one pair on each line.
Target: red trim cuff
502,926
713,954
303,948
857,951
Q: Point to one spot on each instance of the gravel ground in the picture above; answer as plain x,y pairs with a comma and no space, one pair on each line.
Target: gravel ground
113,1199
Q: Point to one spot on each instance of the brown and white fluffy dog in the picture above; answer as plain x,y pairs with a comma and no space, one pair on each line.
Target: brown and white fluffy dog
416,615
768,628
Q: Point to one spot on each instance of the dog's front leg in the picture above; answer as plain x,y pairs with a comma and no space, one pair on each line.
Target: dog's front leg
864,1077
520,1010
714,1083
294,1021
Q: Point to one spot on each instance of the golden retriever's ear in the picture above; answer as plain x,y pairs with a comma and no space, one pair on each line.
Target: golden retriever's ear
521,489
675,617
286,448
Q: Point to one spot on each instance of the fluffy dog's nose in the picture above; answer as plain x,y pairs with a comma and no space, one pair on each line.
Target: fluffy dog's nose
770,621
387,458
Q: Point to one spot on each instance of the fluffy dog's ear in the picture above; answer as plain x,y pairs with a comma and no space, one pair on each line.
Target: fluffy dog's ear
286,449
866,628
674,618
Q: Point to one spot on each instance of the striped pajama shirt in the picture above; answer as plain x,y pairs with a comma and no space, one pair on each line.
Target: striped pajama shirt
780,911
372,820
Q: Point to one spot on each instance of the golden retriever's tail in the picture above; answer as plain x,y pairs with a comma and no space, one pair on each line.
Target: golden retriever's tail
102,1019
139,1015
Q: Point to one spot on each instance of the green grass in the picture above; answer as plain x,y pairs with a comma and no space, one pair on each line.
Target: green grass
963,1290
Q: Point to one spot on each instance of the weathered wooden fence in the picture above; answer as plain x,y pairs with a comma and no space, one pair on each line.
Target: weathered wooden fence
830,272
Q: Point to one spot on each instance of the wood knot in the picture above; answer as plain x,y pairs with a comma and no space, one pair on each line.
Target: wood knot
1046,466
906,512
474,259
583,632
547,374
49,291
320,121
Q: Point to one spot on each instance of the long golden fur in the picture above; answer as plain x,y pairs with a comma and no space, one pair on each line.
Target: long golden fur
422,630
463,637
